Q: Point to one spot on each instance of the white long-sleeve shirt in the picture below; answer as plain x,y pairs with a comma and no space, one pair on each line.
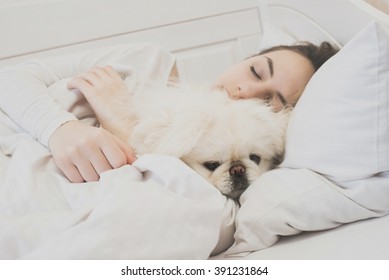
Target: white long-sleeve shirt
24,88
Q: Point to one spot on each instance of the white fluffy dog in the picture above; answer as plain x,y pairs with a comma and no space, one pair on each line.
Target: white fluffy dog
228,142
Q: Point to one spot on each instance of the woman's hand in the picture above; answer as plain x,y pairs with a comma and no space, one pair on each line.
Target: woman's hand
101,86
83,152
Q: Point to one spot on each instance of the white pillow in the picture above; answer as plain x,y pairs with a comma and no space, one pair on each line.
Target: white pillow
337,154
339,127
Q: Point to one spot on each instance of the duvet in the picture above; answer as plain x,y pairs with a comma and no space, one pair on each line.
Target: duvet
157,208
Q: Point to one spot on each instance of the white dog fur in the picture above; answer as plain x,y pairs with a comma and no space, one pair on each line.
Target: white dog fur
228,142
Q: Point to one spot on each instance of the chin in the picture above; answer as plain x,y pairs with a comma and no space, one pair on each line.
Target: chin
228,142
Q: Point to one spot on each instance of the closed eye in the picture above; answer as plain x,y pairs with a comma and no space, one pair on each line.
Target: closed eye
256,75
211,165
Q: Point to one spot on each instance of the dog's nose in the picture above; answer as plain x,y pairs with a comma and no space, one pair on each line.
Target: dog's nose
237,169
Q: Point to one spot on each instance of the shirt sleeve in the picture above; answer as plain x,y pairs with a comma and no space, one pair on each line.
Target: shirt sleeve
24,93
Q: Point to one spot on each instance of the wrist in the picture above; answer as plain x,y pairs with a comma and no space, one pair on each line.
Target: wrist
62,131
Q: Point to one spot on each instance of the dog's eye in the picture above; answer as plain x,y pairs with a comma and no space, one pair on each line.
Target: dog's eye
211,165
255,158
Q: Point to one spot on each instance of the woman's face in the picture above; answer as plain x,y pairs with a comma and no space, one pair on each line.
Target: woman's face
278,77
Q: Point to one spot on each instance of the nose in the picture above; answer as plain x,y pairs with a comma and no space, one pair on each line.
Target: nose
249,90
237,169
240,92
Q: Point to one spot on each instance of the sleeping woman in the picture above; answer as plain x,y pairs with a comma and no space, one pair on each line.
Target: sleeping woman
83,151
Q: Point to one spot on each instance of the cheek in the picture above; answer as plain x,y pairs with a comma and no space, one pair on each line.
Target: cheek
229,77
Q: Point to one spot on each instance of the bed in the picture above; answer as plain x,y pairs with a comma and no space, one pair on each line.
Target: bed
173,213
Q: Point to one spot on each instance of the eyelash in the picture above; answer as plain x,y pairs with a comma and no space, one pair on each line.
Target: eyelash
252,69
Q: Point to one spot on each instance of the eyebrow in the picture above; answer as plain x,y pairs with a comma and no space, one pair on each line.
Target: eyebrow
270,64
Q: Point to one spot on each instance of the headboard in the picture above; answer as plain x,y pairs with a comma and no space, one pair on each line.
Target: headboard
318,20
206,35
220,32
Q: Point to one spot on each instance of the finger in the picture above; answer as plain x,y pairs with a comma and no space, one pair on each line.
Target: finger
81,160
102,73
78,83
108,76
118,153
84,87
86,169
128,151
115,156
71,172
97,159
111,72
90,76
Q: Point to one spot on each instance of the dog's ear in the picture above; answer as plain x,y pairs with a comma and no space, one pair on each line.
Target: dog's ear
277,159
174,135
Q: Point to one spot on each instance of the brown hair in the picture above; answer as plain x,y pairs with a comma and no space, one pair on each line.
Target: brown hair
316,54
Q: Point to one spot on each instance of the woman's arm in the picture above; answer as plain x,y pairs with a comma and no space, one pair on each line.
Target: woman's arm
25,97
83,152
102,87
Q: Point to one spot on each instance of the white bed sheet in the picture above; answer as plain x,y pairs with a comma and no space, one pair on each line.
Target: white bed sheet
156,209
362,240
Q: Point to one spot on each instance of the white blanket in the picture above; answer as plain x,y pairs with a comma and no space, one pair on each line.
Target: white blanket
156,209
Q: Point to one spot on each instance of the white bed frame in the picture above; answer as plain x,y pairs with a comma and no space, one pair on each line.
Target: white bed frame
207,36
218,32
